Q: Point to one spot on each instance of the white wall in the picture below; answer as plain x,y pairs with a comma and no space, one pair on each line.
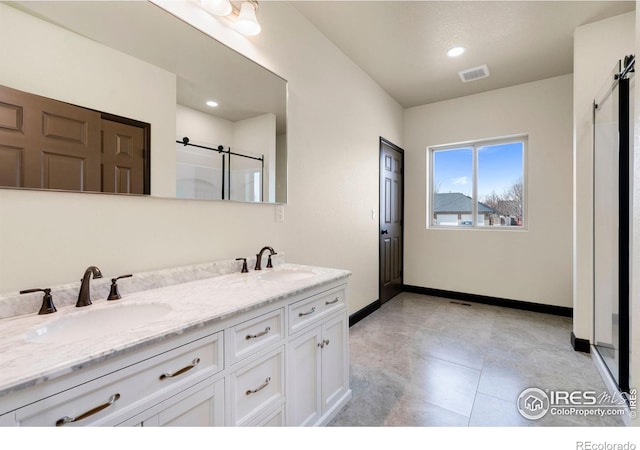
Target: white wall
532,265
257,136
336,115
203,129
597,48
281,168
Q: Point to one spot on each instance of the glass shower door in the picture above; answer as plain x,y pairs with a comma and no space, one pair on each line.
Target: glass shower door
611,225
199,173
246,177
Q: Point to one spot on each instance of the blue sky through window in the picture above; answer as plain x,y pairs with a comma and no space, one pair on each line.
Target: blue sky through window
453,171
499,166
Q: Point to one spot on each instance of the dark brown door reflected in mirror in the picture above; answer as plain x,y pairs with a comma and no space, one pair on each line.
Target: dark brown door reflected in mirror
48,144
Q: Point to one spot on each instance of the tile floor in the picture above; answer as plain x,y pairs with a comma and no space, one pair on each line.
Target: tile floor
424,361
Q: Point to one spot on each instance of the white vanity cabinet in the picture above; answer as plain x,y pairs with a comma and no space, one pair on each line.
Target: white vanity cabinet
257,387
281,363
109,393
318,359
201,405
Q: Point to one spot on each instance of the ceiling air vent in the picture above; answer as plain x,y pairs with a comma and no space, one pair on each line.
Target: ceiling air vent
474,73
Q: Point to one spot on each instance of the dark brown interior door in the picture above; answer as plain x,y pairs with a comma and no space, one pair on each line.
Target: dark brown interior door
391,216
69,148
123,158
13,140
48,144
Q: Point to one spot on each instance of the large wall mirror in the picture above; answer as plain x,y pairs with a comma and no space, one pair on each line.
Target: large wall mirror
133,62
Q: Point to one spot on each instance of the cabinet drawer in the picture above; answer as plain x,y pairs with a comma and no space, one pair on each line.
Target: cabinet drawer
257,387
104,400
254,335
308,311
273,418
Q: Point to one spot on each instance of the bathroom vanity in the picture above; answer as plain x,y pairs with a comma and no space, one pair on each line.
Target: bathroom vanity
267,347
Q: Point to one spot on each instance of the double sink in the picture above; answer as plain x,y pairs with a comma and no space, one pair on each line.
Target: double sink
105,320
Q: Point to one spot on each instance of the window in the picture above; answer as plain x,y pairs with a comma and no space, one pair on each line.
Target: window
478,185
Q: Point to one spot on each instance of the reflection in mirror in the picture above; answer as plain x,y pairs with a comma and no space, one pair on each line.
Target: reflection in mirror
219,174
48,144
138,61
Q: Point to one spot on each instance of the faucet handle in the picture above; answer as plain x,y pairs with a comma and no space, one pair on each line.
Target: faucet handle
47,300
269,264
244,265
114,294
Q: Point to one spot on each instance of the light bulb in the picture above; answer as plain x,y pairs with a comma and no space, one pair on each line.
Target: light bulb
217,7
247,23
455,51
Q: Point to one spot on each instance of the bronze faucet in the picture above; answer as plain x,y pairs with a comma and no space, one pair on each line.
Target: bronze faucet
84,296
47,301
259,258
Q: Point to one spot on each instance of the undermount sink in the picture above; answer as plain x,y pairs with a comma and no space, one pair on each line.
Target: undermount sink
289,274
97,322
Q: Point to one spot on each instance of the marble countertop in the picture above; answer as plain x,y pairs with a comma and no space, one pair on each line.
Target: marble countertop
26,361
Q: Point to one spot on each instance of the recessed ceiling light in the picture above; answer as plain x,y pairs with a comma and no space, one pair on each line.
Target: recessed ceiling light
212,103
455,51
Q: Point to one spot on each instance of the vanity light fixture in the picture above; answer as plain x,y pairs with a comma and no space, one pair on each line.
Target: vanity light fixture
217,7
212,104
243,17
247,23
455,51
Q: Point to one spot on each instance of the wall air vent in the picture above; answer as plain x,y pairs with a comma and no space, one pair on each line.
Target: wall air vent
474,73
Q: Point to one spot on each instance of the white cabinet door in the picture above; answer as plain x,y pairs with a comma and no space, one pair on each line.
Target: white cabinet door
201,406
335,361
304,406
318,376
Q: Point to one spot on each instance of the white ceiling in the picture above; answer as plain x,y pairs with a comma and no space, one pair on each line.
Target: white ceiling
402,45
147,32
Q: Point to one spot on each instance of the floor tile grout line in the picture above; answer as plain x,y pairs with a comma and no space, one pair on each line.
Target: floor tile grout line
552,343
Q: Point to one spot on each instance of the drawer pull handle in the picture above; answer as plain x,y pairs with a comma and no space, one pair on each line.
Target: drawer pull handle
333,302
194,363
259,388
323,343
257,335
311,311
66,419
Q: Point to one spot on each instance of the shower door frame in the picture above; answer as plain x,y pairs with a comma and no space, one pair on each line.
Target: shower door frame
623,83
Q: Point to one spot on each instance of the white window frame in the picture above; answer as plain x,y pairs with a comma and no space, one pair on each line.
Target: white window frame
524,138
